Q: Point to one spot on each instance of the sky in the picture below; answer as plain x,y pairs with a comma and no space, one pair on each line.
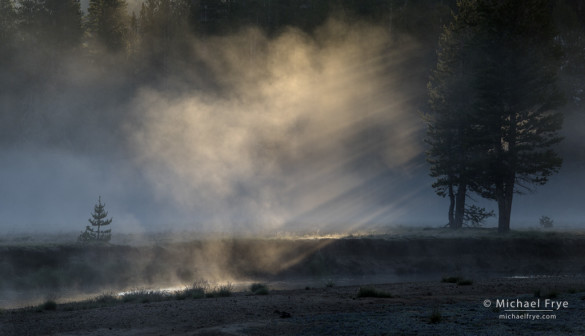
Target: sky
320,133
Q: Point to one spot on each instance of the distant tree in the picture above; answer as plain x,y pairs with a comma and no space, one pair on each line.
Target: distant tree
546,222
7,22
107,24
164,31
55,24
98,220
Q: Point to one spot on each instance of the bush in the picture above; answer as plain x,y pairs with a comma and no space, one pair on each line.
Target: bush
475,216
465,282
196,291
48,305
259,289
457,280
452,279
372,292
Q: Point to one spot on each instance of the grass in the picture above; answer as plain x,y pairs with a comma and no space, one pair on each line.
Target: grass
259,289
221,291
190,293
196,291
106,299
145,296
372,292
199,290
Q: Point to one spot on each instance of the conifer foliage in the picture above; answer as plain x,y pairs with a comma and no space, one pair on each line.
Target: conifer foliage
95,232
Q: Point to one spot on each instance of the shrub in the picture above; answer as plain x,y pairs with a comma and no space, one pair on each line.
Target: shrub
372,292
196,291
330,284
452,279
465,282
48,305
475,216
259,289
457,280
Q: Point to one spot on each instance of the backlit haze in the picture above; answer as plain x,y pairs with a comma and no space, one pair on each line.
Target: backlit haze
294,132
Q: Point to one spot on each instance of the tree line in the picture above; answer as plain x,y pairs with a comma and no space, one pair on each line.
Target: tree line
162,26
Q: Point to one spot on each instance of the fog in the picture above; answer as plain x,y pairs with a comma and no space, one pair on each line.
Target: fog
282,133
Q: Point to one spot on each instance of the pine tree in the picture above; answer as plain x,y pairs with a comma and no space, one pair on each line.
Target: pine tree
493,97
98,220
517,95
449,129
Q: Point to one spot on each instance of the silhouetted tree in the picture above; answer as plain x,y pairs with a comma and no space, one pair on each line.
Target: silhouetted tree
493,96
517,93
98,220
546,222
449,124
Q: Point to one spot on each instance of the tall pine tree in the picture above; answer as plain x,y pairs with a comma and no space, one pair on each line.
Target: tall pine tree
517,89
449,128
493,96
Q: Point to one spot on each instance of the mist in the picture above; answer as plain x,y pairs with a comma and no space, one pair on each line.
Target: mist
261,133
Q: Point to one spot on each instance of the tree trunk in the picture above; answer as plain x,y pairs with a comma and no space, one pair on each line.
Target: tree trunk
460,205
504,198
451,207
